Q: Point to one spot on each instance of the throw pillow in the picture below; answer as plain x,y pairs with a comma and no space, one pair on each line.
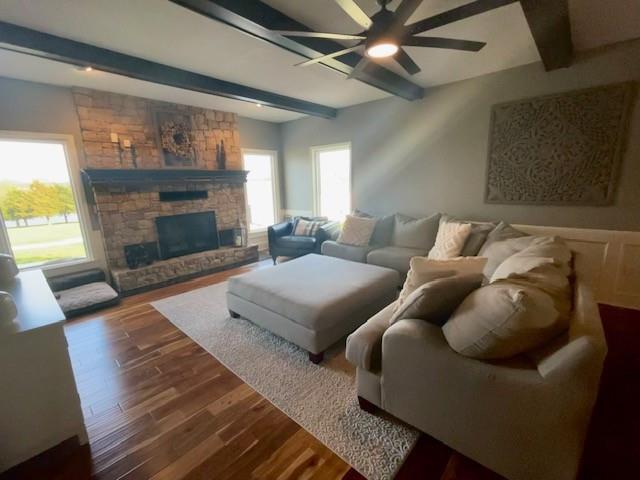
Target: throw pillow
477,237
423,270
357,231
545,264
307,228
436,300
384,228
498,251
450,240
419,233
501,320
502,231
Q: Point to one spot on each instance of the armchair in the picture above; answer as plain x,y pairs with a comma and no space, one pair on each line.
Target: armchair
283,243
526,418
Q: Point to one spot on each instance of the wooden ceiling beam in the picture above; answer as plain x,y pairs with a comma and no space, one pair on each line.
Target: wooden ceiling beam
52,47
551,30
260,20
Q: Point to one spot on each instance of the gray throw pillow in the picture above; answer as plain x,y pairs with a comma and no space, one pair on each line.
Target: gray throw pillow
435,301
502,320
419,233
381,236
498,252
503,231
477,238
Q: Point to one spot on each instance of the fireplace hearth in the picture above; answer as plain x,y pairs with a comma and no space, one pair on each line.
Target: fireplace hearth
186,233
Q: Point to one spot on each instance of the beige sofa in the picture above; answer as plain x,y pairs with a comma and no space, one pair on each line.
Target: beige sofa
525,418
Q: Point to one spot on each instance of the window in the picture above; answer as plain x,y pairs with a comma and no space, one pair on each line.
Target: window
39,220
262,188
332,180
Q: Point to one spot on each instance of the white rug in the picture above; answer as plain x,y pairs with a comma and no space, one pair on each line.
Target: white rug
320,398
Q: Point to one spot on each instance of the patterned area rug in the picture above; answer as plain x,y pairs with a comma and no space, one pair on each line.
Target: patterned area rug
320,398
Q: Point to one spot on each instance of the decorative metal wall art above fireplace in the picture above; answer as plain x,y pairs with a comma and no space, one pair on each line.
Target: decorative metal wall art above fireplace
187,233
562,149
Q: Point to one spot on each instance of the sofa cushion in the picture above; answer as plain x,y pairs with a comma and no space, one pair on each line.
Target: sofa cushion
381,236
501,320
346,252
450,240
436,300
296,241
357,231
417,233
397,258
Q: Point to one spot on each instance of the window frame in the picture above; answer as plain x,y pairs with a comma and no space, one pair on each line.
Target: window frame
275,187
73,166
315,151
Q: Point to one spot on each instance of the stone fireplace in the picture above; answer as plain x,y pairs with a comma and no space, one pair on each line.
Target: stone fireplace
127,201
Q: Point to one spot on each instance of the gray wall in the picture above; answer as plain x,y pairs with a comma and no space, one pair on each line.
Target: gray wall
258,134
261,135
430,155
35,107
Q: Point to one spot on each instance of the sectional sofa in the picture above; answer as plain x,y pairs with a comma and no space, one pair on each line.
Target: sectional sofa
397,238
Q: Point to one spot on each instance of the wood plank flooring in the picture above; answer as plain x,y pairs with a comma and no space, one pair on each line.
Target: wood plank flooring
157,406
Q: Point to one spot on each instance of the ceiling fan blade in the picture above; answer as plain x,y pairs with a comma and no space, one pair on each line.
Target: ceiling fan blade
459,13
406,62
357,70
355,12
449,43
405,10
334,36
328,56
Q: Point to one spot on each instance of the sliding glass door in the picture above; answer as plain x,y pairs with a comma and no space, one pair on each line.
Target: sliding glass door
39,220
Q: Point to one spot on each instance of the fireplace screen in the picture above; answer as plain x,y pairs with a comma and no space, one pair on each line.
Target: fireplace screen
188,233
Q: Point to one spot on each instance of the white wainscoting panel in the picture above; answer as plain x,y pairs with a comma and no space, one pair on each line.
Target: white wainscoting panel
608,259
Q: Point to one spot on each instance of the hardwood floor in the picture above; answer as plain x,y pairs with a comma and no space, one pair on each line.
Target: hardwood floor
157,406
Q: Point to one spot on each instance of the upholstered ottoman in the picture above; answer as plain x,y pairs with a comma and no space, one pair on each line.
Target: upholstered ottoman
312,301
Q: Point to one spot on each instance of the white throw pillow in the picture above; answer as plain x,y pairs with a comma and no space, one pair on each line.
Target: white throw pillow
450,240
501,320
357,231
423,270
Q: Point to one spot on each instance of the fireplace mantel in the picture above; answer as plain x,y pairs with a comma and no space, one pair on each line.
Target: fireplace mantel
115,177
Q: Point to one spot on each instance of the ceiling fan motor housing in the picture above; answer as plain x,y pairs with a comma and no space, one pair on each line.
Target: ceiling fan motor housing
381,30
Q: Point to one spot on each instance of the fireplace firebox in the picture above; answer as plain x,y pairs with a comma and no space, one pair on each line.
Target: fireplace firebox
187,233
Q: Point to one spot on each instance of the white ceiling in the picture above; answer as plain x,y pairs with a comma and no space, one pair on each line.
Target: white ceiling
161,31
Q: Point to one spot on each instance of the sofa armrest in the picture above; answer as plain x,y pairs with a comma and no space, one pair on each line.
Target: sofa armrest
279,230
328,231
364,346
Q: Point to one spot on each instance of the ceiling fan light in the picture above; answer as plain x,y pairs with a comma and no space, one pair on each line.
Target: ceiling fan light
382,50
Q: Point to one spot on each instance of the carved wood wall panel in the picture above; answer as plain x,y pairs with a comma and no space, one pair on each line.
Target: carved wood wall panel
562,149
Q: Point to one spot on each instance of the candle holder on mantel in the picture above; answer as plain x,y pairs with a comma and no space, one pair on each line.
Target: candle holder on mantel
124,145
221,156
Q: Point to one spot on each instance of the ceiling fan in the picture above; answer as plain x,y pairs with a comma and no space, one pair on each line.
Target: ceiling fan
384,36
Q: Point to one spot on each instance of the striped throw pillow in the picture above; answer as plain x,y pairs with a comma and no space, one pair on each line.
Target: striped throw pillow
307,228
